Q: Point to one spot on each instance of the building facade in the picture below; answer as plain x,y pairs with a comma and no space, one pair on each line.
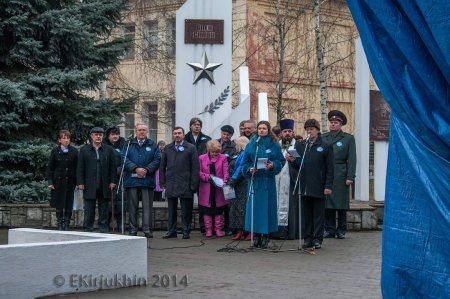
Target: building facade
279,64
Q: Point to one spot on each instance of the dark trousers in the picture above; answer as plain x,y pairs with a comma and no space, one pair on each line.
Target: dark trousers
226,218
187,205
314,214
157,196
89,213
146,195
201,221
330,221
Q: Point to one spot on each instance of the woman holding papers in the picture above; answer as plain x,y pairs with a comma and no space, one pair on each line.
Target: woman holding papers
213,176
264,152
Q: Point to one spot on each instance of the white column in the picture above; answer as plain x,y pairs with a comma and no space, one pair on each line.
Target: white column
263,107
380,167
244,84
362,123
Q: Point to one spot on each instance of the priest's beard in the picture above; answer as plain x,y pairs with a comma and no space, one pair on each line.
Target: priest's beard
286,142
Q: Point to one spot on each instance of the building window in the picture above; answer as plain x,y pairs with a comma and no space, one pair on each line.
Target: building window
129,33
171,114
152,113
171,37
150,41
129,123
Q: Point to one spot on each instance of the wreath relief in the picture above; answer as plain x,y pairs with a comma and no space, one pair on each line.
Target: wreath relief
211,108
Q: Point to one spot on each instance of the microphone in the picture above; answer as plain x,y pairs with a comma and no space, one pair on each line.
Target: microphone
308,137
257,140
130,137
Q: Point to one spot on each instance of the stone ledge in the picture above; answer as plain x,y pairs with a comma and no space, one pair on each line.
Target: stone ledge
361,216
357,205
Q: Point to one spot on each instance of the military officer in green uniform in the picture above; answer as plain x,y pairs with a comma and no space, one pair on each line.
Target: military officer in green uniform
344,175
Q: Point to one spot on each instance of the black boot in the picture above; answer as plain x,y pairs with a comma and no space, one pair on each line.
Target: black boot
256,240
66,222
59,219
264,241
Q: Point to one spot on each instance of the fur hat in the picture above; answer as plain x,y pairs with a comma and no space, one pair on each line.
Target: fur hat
312,123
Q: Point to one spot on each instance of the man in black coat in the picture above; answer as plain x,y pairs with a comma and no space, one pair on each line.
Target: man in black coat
229,150
316,182
199,140
114,140
179,176
196,137
96,176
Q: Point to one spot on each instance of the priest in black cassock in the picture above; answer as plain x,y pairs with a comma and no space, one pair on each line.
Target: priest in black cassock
285,180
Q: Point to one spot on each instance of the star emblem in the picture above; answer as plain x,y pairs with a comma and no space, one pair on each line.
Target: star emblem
204,69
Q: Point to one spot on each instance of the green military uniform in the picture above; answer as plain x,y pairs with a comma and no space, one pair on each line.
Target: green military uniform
338,202
344,149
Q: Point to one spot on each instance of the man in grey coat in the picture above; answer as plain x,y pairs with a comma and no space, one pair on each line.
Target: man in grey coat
96,176
179,176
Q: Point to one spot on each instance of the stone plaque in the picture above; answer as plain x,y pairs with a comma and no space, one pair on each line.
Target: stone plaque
380,115
203,31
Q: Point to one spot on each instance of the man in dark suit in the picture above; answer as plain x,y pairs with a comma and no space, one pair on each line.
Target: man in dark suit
199,140
179,176
114,140
96,176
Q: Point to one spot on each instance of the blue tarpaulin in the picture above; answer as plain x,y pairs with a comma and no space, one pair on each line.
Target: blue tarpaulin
408,49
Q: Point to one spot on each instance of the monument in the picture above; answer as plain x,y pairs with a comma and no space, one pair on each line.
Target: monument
204,66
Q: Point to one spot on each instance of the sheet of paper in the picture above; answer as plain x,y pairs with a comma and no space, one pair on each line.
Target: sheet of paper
217,181
293,152
261,164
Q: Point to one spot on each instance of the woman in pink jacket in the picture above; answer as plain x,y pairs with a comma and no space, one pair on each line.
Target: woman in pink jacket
210,198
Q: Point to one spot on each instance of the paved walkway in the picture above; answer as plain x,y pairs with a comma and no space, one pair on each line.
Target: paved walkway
347,268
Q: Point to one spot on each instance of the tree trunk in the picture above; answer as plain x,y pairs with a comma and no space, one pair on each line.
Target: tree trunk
281,36
321,67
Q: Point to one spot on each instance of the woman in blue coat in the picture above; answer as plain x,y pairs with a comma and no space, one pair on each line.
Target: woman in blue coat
265,219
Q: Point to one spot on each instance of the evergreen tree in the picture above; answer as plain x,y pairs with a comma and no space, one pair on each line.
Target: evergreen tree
53,55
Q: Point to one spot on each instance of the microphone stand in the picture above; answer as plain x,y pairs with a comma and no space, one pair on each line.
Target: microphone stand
120,187
297,182
252,192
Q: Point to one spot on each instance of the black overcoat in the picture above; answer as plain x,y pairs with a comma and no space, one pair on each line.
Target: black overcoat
179,170
87,170
61,173
318,167
200,144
